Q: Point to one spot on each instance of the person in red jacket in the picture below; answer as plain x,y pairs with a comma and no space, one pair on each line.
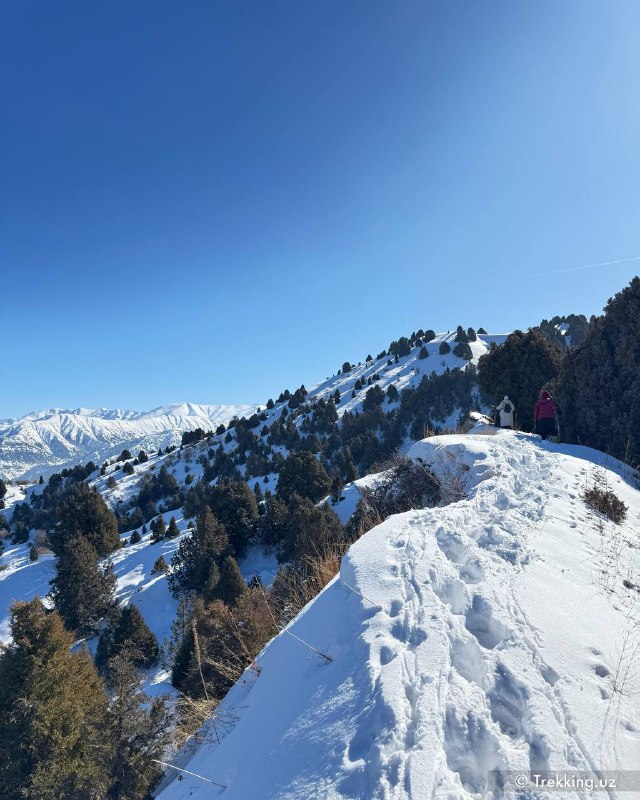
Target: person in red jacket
544,415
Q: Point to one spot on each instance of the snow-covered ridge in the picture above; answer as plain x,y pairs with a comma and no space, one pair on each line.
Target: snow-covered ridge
491,634
46,441
43,442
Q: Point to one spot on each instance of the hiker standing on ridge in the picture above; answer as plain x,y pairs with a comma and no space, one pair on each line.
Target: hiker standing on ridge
505,413
544,415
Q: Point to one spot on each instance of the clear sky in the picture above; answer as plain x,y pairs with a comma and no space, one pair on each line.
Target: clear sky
212,201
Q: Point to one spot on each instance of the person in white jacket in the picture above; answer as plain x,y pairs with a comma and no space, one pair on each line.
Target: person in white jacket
505,411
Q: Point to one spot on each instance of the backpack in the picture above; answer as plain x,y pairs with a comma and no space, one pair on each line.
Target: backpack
508,408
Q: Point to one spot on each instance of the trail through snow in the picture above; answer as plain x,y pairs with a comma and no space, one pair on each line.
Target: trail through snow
495,637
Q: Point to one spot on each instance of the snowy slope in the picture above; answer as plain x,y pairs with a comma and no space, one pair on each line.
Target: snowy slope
496,634
47,441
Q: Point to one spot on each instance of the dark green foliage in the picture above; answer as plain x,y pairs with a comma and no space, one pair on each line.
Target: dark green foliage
81,510
234,505
374,397
191,437
272,523
231,584
173,529
482,331
521,367
160,566
444,348
471,335
429,335
20,533
125,455
303,474
461,335
52,713
424,353
193,560
392,393
128,468
270,404
135,538
462,350
308,530
400,348
3,489
346,367
81,590
130,632
155,487
33,553
599,384
137,729
159,529
142,457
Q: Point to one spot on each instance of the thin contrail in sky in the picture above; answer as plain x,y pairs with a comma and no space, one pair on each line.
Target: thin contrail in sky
575,269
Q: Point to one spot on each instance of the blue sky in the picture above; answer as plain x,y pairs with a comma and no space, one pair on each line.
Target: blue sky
213,201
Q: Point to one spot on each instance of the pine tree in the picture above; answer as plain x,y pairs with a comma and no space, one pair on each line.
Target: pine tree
33,553
196,553
444,348
159,529
234,505
231,584
173,529
424,353
462,350
53,713
599,383
130,632
303,474
135,537
160,566
81,510
128,468
137,729
81,590
41,481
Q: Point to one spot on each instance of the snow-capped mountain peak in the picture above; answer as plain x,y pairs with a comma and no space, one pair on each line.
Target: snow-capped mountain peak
45,441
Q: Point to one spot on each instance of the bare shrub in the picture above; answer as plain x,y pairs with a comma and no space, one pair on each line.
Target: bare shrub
41,542
297,584
604,501
406,485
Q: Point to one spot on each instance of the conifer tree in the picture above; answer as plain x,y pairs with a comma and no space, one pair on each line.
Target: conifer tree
173,529
160,566
159,529
53,713
130,632
444,348
234,505
82,510
33,553
81,590
231,584
196,553
303,474
135,537
137,729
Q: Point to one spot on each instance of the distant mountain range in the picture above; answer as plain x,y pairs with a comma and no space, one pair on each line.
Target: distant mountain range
43,442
